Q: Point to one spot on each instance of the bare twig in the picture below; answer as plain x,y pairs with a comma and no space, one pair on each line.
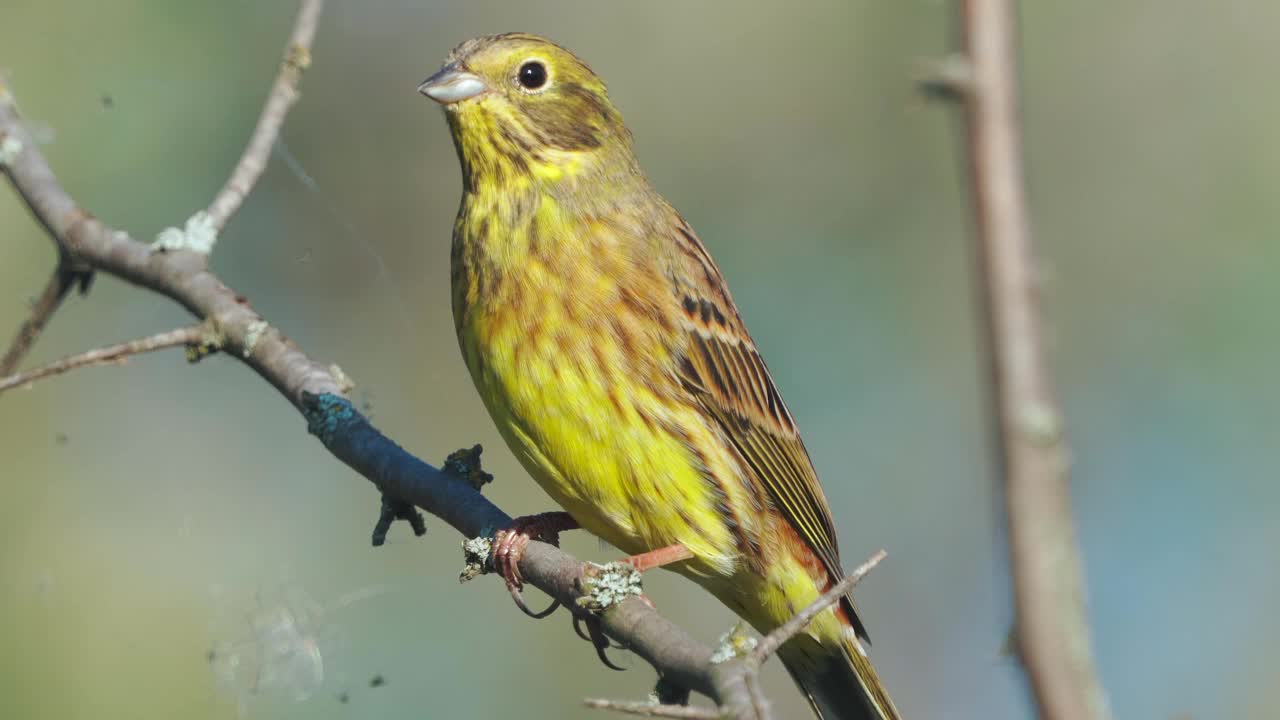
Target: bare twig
645,709
284,93
59,285
1052,627
111,354
770,643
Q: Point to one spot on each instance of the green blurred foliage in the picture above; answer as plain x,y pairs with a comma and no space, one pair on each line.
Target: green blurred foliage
172,543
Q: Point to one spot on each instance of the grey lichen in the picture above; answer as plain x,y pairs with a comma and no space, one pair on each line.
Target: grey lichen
252,335
476,553
1041,424
607,585
198,235
345,383
10,146
737,642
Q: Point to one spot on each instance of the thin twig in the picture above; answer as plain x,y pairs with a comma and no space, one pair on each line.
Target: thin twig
770,643
1052,627
284,93
107,355
59,285
645,709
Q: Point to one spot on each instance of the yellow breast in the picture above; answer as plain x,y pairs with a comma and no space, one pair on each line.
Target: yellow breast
576,379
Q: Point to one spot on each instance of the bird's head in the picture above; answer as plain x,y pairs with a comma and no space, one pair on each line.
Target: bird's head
519,103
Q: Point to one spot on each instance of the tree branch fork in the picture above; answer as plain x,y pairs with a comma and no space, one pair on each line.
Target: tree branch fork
177,267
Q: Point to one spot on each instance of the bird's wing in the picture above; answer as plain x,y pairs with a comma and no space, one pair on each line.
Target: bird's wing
721,366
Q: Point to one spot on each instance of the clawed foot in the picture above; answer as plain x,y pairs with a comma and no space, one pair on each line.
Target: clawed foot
595,635
509,544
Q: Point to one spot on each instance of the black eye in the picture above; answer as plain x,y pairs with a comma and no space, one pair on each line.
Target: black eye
532,75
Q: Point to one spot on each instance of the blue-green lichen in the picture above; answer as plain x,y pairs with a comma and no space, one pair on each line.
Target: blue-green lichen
326,414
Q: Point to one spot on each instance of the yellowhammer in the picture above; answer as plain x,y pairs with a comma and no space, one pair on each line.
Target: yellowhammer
603,340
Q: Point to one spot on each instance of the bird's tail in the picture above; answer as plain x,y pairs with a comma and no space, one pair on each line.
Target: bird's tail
838,680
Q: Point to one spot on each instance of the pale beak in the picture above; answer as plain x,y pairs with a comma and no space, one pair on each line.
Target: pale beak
452,84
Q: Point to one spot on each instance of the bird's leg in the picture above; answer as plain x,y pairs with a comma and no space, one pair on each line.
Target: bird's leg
645,562
509,543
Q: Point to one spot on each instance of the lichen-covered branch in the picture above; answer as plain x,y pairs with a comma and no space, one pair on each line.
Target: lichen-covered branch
1052,627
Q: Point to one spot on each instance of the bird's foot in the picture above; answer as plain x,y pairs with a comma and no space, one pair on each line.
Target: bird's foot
509,544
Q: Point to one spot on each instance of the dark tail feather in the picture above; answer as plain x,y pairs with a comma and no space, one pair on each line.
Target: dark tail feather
839,682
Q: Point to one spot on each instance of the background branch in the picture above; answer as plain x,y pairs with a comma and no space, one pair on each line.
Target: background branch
1052,628
284,93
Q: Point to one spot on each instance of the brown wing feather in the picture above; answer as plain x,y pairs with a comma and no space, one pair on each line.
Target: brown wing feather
723,369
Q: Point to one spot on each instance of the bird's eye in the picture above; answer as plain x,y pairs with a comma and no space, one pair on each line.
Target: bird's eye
532,75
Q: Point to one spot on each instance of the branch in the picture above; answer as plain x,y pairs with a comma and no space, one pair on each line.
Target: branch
647,709
60,283
749,655
318,390
774,640
1052,627
111,354
284,93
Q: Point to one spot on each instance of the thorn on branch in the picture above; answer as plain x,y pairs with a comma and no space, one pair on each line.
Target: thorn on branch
949,78
394,509
465,464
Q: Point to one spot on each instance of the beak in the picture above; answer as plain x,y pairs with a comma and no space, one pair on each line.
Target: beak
452,84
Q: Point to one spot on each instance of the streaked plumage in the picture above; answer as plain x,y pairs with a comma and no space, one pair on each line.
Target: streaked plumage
605,344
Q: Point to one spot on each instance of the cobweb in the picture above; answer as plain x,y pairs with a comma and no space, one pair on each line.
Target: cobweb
281,649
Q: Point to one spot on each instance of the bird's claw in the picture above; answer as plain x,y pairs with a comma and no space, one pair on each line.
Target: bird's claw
518,598
595,635
509,545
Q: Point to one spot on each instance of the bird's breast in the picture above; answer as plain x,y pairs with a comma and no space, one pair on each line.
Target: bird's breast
563,340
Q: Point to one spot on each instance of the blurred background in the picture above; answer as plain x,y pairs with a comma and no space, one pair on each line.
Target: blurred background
173,543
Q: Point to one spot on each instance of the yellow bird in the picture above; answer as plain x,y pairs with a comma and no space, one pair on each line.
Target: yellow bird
605,344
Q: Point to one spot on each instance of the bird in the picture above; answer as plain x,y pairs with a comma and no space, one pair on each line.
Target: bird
604,343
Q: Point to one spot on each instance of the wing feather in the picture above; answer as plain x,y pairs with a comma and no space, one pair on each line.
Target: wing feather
723,369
